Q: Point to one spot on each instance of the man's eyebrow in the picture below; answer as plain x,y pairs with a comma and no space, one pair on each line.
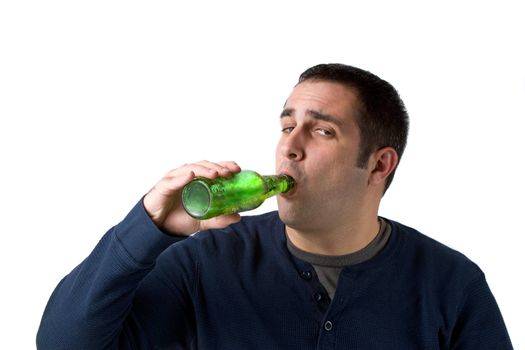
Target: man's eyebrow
289,112
326,117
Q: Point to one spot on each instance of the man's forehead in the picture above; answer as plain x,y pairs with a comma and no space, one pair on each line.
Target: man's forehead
322,98
323,93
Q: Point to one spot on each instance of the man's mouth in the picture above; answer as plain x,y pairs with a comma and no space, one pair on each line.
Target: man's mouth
290,170
295,177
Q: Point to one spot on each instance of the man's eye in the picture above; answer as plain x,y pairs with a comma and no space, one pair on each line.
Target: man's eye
287,130
324,132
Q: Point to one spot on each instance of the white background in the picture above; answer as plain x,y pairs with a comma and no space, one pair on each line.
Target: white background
99,99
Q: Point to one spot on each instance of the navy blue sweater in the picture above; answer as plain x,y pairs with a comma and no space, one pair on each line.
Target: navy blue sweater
240,288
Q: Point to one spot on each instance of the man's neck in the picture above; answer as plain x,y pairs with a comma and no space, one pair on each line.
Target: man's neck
341,240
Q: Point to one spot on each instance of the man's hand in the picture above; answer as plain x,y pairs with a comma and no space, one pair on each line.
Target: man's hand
163,202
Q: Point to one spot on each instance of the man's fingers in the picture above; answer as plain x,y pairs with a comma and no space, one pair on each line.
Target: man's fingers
224,169
231,165
178,182
207,169
197,169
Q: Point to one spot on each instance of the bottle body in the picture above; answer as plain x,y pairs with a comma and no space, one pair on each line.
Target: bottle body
204,198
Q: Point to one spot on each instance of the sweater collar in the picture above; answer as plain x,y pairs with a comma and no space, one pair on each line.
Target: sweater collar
381,259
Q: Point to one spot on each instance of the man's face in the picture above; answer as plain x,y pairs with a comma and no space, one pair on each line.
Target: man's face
319,147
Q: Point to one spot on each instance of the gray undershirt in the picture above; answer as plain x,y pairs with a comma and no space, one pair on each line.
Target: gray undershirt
328,267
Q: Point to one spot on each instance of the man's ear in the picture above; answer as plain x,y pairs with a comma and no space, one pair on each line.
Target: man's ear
382,162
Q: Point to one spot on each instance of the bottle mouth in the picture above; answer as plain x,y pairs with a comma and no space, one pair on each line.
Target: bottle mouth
196,199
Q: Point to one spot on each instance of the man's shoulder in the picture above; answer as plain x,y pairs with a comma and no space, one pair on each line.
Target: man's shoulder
429,252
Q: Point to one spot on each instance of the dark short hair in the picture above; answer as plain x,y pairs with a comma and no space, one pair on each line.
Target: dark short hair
382,117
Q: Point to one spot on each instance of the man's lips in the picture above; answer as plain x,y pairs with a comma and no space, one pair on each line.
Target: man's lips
291,174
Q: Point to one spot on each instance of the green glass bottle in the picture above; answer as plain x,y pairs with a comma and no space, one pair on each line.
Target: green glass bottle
203,198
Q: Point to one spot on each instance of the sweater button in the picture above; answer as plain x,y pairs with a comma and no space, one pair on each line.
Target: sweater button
318,297
306,275
328,326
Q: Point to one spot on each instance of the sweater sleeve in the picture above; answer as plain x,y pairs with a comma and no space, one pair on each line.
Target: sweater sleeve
91,307
479,324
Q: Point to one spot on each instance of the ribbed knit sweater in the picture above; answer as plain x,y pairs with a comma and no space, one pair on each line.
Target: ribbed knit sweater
240,288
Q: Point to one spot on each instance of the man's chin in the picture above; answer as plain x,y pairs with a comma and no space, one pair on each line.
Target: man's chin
291,215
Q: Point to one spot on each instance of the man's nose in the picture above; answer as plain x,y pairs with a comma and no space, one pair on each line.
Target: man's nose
292,145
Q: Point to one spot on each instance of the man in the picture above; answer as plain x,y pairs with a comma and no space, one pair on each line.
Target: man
325,272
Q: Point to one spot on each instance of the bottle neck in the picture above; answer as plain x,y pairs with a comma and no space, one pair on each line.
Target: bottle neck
278,184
